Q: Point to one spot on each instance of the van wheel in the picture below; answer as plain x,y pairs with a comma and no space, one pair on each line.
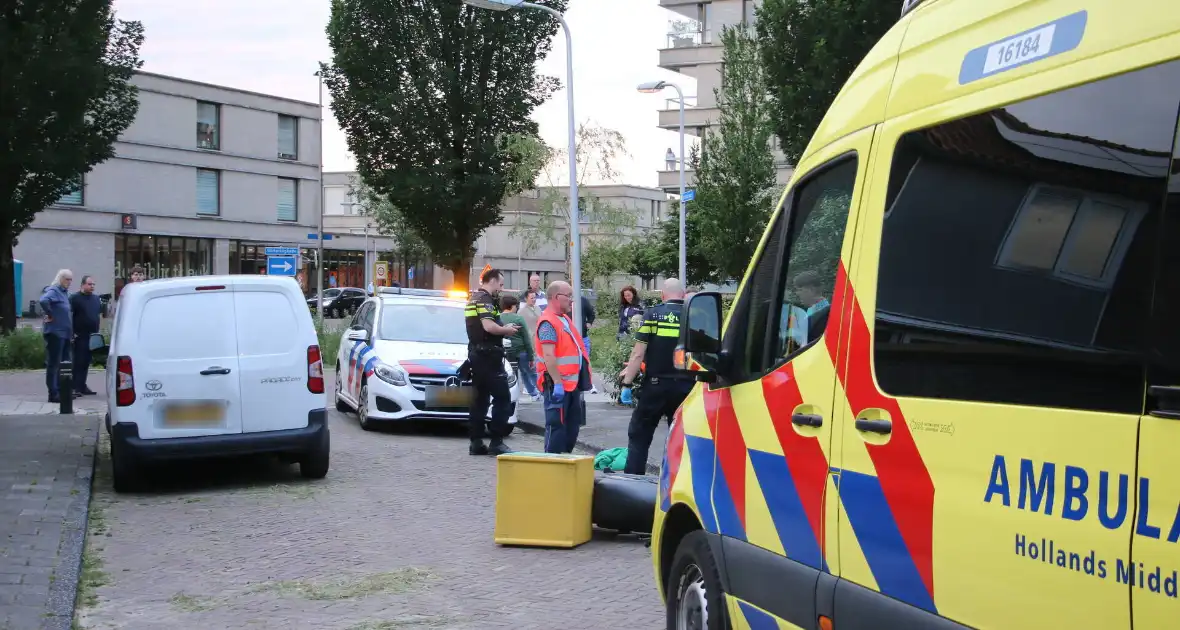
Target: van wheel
695,599
314,464
362,408
123,469
340,404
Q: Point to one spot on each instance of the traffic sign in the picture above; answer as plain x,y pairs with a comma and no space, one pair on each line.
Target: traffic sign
689,195
315,237
410,273
282,251
281,265
381,269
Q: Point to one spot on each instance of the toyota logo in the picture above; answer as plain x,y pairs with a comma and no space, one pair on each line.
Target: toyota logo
452,381
153,386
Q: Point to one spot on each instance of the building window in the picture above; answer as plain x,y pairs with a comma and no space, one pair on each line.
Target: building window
74,197
288,208
208,192
1018,258
161,257
288,137
208,125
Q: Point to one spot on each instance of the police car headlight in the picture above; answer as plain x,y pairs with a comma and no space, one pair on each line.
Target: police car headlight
390,374
511,373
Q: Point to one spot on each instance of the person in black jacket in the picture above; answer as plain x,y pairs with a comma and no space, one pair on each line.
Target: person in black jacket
87,311
588,317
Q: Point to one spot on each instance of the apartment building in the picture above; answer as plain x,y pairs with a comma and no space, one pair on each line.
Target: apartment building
203,180
693,48
501,249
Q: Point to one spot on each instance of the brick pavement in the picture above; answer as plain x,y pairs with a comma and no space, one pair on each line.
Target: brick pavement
23,392
46,462
398,535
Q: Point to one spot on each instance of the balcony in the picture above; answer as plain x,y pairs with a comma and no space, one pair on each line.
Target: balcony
670,180
689,44
694,117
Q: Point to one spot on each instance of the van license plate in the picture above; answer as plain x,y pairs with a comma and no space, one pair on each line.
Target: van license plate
448,397
200,414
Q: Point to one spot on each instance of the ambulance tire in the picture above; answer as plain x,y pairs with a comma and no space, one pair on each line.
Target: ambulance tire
694,587
625,503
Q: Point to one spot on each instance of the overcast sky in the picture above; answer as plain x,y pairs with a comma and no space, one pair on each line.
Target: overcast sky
272,46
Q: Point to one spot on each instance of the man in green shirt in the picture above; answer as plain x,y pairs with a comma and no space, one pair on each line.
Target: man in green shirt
521,349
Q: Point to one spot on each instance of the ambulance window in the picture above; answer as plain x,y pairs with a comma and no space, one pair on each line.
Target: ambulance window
1165,364
1017,254
785,306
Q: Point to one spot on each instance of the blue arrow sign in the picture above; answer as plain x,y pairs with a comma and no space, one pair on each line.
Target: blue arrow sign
689,195
281,265
282,251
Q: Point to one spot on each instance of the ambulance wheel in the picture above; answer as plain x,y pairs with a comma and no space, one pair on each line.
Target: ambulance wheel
695,599
341,406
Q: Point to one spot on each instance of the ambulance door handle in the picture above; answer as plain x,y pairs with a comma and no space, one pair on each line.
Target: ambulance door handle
883,427
807,420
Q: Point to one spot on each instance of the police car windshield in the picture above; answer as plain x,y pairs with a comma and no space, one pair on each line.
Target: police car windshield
424,323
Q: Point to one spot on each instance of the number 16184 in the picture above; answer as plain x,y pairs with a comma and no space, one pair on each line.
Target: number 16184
1019,49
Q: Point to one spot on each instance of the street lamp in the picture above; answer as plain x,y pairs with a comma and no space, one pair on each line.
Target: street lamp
319,261
575,239
652,88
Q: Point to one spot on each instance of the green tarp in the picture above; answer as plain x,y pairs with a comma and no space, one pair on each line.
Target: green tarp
611,459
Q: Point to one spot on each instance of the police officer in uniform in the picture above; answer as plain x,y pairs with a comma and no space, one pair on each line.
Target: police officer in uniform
664,387
485,352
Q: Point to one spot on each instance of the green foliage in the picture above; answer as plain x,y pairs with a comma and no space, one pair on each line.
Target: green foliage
661,248
735,171
434,99
65,97
329,341
598,150
809,49
600,261
391,221
22,349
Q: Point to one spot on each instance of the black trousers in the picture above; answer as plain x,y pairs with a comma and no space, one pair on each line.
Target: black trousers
659,398
490,382
81,361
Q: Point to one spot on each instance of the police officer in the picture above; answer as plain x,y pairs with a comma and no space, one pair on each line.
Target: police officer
485,351
664,388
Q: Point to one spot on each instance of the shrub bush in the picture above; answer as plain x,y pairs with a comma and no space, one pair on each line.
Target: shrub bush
329,340
22,349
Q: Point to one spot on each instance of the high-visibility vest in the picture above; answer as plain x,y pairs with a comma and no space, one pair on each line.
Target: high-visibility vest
569,346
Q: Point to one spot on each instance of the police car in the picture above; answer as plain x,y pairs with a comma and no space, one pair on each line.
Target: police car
400,359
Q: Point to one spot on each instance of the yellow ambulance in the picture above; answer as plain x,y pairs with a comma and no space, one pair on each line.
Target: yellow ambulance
948,393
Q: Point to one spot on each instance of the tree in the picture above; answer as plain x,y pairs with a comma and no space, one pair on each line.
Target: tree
597,151
661,248
408,245
601,260
638,259
735,172
809,49
434,99
65,96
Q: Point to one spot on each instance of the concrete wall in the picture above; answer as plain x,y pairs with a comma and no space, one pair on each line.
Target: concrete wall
44,252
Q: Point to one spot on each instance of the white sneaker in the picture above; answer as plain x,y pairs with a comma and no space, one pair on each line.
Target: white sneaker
593,390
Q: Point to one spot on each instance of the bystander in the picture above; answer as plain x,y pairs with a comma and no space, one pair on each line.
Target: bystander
87,312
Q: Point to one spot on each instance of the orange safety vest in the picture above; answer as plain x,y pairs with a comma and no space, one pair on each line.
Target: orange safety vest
569,346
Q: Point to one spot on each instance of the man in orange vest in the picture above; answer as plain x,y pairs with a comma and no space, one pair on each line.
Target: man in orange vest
564,369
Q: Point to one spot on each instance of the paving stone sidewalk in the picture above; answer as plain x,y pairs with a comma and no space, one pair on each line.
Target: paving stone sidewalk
46,464
23,393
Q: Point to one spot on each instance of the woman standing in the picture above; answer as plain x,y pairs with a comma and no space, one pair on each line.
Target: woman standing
629,306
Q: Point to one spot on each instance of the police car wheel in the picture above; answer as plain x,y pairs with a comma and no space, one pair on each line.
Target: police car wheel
362,408
695,600
340,404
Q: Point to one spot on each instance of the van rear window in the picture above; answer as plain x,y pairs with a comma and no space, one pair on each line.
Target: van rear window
188,326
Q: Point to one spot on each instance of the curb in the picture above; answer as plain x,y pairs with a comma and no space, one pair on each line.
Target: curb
533,428
64,591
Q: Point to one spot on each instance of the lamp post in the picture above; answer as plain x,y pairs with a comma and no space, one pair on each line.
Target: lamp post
319,260
652,88
575,238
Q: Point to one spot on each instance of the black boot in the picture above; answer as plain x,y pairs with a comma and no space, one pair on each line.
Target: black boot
477,448
498,448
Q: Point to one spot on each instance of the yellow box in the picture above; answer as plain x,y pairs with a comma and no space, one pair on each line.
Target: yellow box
543,499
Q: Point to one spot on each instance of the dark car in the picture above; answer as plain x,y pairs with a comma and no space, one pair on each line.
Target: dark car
339,303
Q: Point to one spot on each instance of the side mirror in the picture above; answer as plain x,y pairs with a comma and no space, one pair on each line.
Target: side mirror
699,350
357,334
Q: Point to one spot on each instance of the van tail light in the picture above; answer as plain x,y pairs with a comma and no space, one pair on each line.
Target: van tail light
315,370
125,389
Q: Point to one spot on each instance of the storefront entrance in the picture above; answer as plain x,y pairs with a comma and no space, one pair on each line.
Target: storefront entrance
161,256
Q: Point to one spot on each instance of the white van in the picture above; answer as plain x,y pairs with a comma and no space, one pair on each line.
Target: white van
214,365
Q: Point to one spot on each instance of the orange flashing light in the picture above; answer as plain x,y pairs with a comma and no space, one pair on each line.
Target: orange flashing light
825,623
459,295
